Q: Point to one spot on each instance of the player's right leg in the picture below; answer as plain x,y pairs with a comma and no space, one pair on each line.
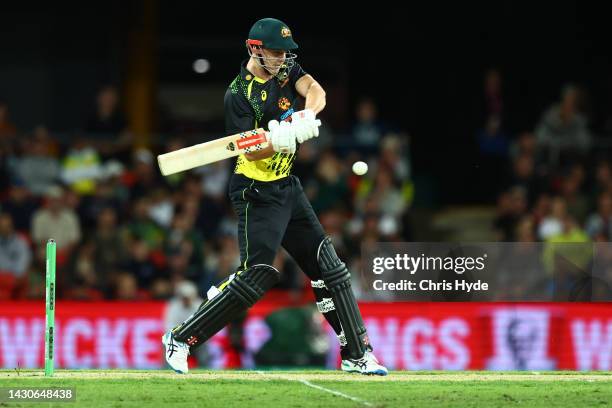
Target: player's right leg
306,242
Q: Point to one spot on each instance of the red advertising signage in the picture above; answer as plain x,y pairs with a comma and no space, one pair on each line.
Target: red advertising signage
411,336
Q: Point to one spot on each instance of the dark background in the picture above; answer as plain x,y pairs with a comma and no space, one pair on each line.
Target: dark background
422,64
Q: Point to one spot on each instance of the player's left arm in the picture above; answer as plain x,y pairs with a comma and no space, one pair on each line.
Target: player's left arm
312,91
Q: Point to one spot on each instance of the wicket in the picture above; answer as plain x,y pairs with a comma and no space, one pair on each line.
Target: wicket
50,307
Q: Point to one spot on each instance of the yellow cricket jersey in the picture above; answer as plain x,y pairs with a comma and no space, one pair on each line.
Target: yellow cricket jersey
251,102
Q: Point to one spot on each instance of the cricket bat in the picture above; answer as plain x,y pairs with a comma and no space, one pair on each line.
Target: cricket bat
213,151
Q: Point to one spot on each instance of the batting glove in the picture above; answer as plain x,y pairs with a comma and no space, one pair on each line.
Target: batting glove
305,124
282,137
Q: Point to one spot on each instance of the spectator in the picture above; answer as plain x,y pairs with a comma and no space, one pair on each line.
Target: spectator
395,156
603,179
15,256
525,230
215,178
161,209
108,118
140,264
221,261
184,240
81,168
56,221
108,125
599,224
562,128
541,209
21,206
511,208
571,232
367,130
333,222
576,201
88,283
523,175
206,209
552,224
126,288
37,168
35,280
212,203
178,267
142,227
104,197
385,191
525,144
109,246
330,185
305,163
113,177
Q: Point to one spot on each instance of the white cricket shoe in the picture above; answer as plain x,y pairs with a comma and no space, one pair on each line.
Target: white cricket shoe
367,365
176,353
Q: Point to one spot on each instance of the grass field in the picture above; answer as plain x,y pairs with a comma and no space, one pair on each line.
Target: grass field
266,389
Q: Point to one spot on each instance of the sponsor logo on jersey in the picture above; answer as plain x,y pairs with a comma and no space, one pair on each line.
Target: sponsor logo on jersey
287,115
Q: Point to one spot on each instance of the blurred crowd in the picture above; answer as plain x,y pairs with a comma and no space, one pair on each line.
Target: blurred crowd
553,182
125,232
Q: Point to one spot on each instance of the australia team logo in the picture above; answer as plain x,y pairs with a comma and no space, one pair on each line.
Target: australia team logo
285,32
284,103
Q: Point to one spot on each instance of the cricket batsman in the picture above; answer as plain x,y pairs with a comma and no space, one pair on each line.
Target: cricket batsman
272,208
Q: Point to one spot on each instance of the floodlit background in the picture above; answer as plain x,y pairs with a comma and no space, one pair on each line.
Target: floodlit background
488,122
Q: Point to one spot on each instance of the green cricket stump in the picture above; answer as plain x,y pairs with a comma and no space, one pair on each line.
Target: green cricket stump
49,307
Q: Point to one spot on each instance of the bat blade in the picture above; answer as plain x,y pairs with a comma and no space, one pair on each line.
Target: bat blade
213,151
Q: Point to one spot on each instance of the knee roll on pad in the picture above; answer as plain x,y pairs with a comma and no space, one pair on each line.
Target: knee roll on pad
338,281
240,294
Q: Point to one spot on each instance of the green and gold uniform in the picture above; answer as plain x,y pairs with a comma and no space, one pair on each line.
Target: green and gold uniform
251,102
273,211
270,203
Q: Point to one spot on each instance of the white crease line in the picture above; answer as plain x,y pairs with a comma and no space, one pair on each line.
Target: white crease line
318,387
338,393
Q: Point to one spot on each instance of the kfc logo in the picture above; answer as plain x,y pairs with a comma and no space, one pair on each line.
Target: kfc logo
520,340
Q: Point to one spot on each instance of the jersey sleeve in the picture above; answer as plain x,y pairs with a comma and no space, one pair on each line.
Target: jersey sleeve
296,73
239,115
